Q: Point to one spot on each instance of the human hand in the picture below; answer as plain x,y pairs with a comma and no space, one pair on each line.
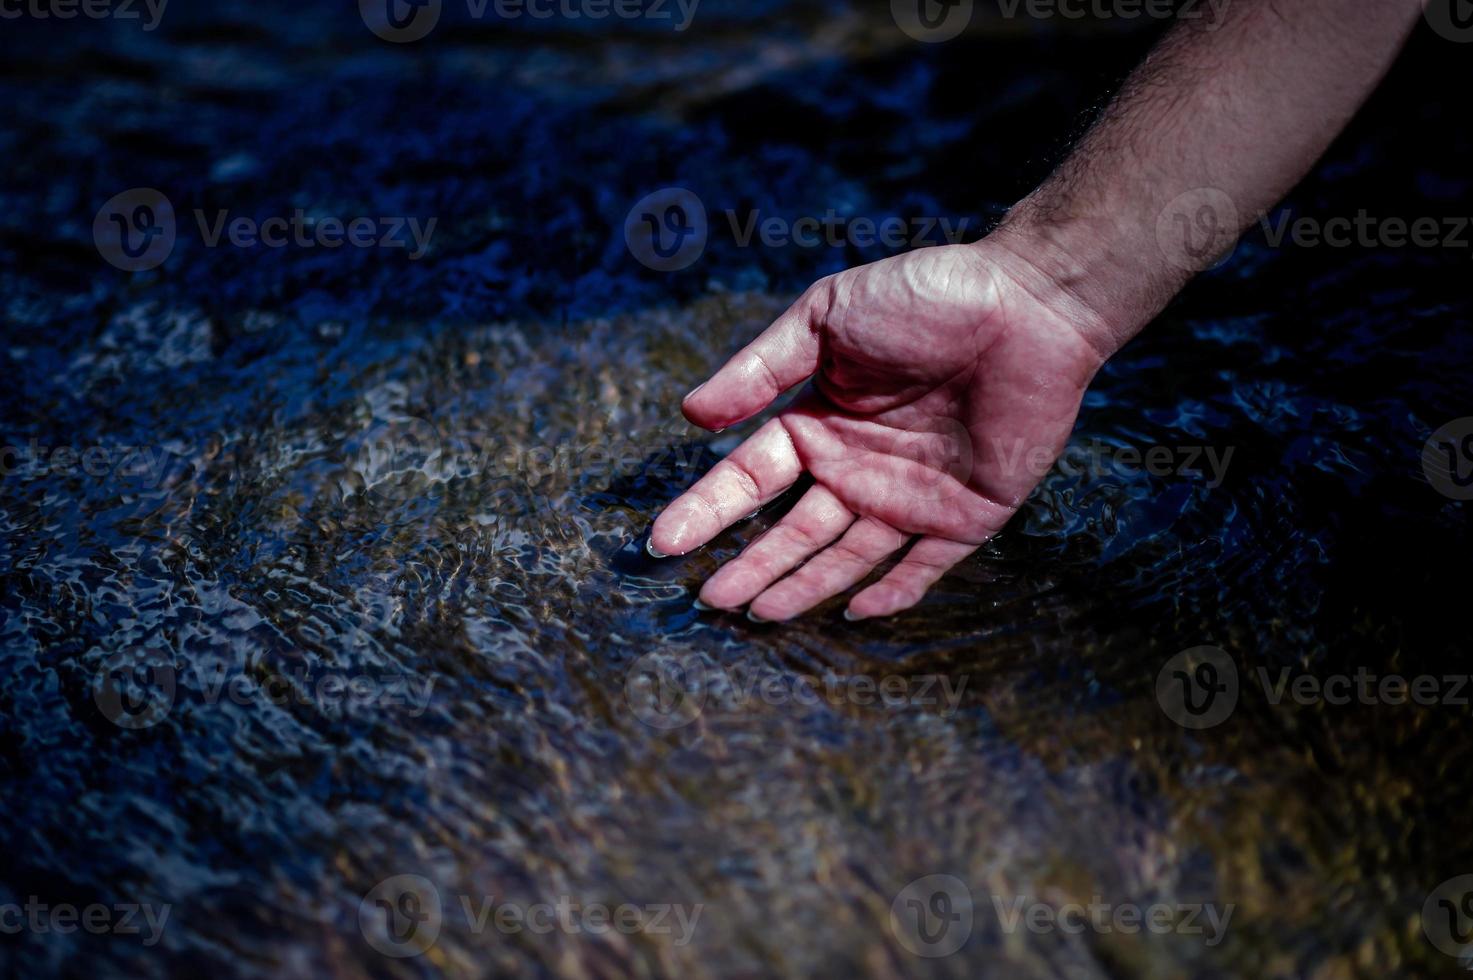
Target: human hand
940,384
945,380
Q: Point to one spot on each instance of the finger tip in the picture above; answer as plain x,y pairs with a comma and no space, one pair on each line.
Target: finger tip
695,412
707,411
879,601
711,600
702,420
667,535
759,611
867,607
730,589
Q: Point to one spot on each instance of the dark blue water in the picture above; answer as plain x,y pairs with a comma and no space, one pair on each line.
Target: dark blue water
286,472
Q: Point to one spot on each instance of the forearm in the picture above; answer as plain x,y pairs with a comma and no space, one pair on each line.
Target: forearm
1213,129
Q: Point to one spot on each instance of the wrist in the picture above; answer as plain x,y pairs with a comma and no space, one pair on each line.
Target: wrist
1105,277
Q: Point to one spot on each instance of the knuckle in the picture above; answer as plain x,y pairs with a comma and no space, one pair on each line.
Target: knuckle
801,537
846,554
747,481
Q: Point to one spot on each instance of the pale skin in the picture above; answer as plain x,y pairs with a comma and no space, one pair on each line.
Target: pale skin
941,378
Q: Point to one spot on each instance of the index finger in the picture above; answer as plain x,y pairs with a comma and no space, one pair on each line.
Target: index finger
782,356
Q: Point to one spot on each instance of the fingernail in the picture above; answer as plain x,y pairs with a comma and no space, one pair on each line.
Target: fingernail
849,615
756,618
692,393
701,606
649,546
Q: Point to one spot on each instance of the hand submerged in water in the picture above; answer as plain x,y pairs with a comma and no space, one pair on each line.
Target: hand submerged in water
946,380
942,390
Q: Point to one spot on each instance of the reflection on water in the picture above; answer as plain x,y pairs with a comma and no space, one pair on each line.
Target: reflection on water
323,576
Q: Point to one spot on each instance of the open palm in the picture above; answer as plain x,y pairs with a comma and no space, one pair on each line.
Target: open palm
942,391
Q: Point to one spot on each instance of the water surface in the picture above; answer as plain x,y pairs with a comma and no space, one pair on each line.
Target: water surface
432,479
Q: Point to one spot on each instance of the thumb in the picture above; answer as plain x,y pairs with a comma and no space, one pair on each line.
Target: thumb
783,355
